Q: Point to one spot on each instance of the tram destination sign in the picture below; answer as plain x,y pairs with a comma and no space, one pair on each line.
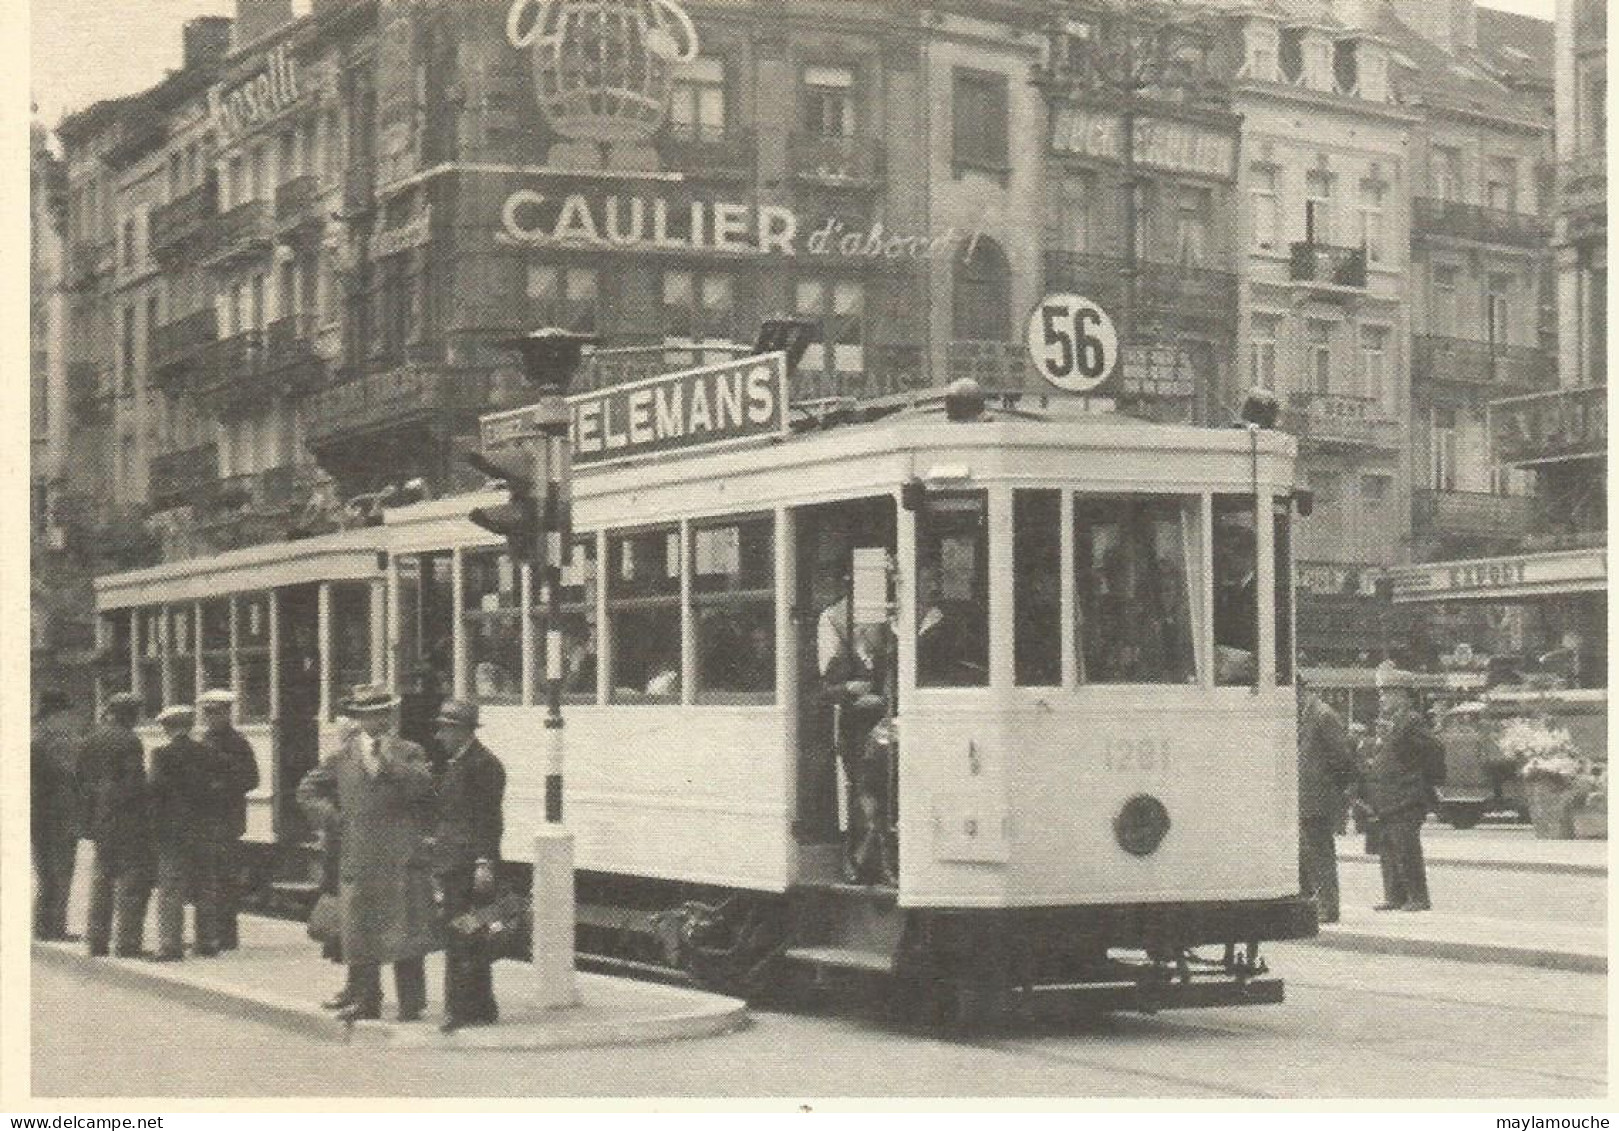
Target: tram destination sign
712,405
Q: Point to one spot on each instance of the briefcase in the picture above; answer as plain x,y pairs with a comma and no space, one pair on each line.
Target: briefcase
326,920
503,928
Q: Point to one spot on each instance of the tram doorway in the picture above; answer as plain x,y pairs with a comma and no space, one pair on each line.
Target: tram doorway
846,680
297,707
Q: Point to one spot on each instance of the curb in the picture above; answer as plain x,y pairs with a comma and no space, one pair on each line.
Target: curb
1544,867
676,1014
1491,953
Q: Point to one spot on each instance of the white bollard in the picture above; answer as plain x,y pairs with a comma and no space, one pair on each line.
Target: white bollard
553,918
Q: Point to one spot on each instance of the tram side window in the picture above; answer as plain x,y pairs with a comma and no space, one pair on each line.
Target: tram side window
1282,509
643,615
952,592
1132,570
1236,591
576,608
114,675
216,644
733,584
351,639
150,622
253,656
427,630
1037,588
182,654
490,600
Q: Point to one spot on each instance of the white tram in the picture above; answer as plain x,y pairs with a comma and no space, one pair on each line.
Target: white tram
1088,668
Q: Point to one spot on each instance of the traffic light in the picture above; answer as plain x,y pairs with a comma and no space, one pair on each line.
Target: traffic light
518,519
551,356
791,336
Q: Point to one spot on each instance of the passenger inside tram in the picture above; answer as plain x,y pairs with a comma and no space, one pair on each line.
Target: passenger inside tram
1236,597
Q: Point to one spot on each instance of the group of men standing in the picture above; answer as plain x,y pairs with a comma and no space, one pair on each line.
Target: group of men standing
1390,782
177,823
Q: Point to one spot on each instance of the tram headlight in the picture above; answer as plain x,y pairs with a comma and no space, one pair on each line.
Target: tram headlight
1141,825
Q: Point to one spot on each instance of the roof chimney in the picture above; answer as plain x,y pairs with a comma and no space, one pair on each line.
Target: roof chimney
257,18
206,40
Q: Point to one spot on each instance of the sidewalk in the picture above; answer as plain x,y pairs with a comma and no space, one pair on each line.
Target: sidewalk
1512,848
1468,938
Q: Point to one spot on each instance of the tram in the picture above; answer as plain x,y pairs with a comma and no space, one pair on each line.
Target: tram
1077,635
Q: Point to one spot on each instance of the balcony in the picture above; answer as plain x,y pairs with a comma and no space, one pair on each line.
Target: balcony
181,477
243,231
90,391
839,161
1327,269
289,351
706,152
180,227
297,203
1162,289
1550,427
1503,368
359,190
87,262
379,400
994,365
1434,217
1471,515
177,346
1582,188
1338,421
254,508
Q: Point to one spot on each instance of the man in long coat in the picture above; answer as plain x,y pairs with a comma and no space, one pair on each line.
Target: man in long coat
1398,793
466,850
380,792
187,858
54,805
112,773
1326,769
234,773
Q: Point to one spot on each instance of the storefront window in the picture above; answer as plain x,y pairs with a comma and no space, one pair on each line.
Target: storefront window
643,612
1132,571
253,656
734,603
490,599
216,644
952,591
351,639
182,656
1037,588
576,609
1236,591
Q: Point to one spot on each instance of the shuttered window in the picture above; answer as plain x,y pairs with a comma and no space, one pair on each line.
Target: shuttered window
980,121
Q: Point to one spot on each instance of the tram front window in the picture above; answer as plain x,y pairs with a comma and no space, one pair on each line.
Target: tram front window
1037,588
351,638
1236,591
952,591
1132,558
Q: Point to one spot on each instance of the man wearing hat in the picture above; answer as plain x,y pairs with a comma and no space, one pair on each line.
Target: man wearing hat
186,858
467,850
1398,792
1326,769
112,774
233,773
379,791
54,809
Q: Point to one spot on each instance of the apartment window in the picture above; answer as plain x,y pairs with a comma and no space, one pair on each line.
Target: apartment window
1497,311
151,330
256,182
839,305
235,183
126,349
1318,207
1345,67
829,102
699,306
1596,320
643,615
1501,184
1290,55
1146,202
1443,297
1593,111
1375,490
1372,194
1447,173
1267,206
564,296
697,103
129,244
1193,208
1318,358
287,165
1374,350
1442,448
979,121
983,292
1262,350
733,587
1073,213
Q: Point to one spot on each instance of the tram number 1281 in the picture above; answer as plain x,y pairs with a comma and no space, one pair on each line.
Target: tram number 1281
1138,755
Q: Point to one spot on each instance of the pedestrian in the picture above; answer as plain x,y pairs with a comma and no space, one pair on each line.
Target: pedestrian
234,773
467,850
1327,768
380,791
112,772
1398,792
329,833
54,811
187,858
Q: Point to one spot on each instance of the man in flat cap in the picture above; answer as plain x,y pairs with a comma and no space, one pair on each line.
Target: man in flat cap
467,850
186,860
233,773
379,791
112,772
1398,790
54,809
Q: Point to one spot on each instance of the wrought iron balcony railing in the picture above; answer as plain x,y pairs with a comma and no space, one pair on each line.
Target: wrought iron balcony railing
90,391
1328,265
1161,288
180,226
1470,514
243,230
177,345
1432,216
1582,192
1551,427
370,401
1458,361
289,344
177,478
1338,420
708,152
296,201
851,160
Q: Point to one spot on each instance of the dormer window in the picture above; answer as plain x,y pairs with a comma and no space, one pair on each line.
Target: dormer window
1290,55
1345,67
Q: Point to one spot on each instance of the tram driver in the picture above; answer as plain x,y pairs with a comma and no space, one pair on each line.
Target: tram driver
854,662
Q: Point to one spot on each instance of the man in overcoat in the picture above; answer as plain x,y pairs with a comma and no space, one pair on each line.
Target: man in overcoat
54,805
1398,793
187,858
112,774
380,792
466,850
1326,769
234,773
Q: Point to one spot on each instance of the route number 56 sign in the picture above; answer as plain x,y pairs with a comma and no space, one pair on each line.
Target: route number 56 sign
1073,343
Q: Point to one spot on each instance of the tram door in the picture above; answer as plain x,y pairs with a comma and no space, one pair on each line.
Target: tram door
297,708
845,665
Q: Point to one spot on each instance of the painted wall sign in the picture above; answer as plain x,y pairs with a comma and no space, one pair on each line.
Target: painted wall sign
1162,143
258,99
1556,571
